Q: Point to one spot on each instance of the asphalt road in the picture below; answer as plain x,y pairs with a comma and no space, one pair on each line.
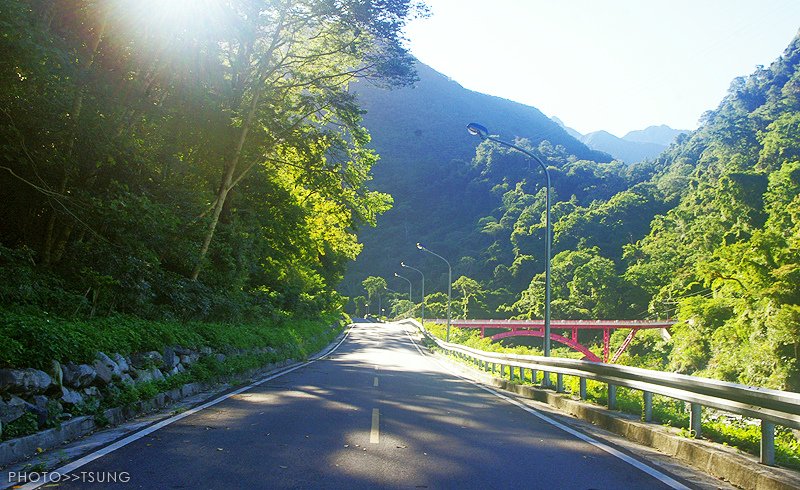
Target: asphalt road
376,413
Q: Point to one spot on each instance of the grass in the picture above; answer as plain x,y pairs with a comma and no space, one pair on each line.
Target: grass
33,338
743,434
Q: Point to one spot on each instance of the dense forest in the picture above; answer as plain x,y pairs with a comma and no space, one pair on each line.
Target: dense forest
172,163
708,233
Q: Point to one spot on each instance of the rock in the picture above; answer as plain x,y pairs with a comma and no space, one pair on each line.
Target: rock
177,370
145,360
40,408
24,381
78,375
170,359
206,351
122,363
70,397
106,369
157,374
56,373
189,359
220,357
126,379
92,391
182,351
13,409
142,376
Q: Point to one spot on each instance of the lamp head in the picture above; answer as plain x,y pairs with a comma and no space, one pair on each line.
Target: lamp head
402,264
478,130
419,246
395,274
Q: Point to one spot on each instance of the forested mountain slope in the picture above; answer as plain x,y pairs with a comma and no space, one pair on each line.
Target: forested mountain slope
425,150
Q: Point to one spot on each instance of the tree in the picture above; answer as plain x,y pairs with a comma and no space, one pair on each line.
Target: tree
293,62
470,291
373,285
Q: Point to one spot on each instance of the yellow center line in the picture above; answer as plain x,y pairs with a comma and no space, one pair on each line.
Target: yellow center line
375,381
374,434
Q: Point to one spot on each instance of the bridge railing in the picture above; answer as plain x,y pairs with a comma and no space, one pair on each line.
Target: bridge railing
769,406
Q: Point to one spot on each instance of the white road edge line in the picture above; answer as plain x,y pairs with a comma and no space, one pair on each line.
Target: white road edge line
54,475
662,477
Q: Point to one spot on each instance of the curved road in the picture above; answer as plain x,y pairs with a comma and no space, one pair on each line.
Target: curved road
376,413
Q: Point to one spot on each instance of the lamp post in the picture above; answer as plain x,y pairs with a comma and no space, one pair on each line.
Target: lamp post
409,285
483,133
449,285
422,315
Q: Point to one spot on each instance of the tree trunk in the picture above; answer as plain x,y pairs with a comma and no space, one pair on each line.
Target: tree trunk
227,181
77,105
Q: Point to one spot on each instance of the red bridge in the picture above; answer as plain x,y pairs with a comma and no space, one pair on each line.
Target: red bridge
535,328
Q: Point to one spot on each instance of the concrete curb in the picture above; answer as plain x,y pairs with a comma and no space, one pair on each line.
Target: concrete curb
729,464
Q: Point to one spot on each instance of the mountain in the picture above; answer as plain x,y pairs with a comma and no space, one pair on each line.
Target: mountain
633,147
425,161
660,135
572,132
625,150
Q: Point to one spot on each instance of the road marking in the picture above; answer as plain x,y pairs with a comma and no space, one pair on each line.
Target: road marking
375,381
375,432
56,474
662,477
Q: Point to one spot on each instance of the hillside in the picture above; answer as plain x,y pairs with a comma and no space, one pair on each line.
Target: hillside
425,150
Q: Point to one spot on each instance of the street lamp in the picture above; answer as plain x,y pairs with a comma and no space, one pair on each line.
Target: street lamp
483,133
409,285
403,264
449,285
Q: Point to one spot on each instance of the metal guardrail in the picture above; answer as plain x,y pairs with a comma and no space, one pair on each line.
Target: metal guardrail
770,406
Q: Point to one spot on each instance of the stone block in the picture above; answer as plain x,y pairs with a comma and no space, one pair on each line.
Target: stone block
24,381
78,375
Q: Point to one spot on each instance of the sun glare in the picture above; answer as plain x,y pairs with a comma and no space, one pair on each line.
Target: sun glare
173,18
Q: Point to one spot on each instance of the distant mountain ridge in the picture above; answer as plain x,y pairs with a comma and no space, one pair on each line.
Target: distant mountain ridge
634,147
660,135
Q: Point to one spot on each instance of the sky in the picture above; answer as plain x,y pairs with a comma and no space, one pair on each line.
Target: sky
616,65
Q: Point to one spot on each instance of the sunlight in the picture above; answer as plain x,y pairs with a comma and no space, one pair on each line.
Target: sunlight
174,18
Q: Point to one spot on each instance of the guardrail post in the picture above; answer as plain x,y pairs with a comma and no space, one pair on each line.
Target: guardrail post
559,383
648,406
522,374
534,375
494,367
583,388
546,379
767,443
612,397
695,424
